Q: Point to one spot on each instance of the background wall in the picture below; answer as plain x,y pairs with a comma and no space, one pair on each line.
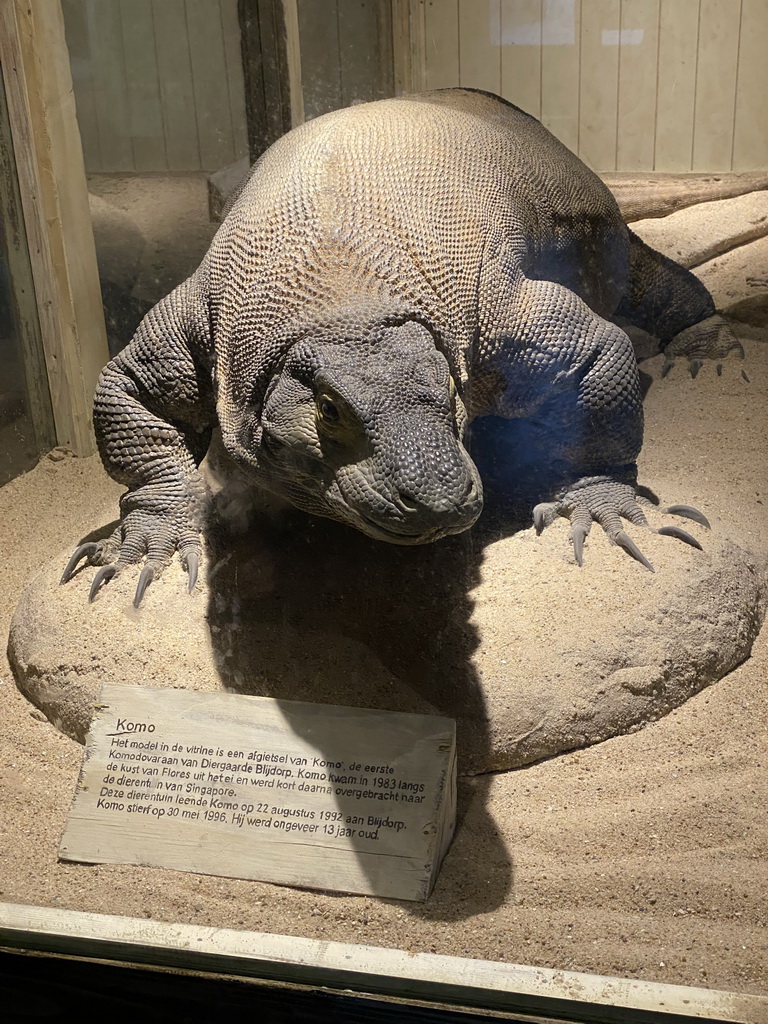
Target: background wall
630,85
158,83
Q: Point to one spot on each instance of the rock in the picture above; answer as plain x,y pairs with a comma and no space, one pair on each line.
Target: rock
700,233
737,275
497,628
654,194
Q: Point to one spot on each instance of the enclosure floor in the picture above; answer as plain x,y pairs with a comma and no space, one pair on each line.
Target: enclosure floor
643,856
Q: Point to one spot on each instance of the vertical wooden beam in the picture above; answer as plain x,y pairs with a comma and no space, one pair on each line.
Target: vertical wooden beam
716,66
409,46
51,175
265,71
21,293
293,56
638,74
676,87
560,69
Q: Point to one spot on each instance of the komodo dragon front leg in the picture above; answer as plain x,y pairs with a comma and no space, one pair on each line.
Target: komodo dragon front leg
153,414
577,373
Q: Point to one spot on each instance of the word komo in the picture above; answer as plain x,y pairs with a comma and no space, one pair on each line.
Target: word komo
123,725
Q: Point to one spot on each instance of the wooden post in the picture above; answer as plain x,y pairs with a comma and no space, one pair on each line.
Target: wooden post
265,70
49,159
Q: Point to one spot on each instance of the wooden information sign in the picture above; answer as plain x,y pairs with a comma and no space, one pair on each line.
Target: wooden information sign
311,795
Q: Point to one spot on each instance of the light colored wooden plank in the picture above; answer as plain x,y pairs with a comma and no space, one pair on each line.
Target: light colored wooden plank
521,36
143,84
293,57
716,66
560,69
110,86
638,55
314,795
409,55
51,173
678,45
78,43
318,962
176,87
750,143
480,44
14,249
441,44
209,82
235,86
598,100
320,57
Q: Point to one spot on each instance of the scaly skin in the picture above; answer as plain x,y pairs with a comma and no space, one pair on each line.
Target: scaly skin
388,273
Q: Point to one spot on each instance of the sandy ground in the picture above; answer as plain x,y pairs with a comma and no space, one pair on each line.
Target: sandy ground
643,856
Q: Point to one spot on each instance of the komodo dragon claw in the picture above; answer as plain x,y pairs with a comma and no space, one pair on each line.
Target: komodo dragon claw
87,550
606,501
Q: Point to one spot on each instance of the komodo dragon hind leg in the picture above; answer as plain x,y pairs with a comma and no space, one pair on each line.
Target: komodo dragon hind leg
668,302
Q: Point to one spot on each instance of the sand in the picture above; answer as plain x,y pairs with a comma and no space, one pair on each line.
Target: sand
642,856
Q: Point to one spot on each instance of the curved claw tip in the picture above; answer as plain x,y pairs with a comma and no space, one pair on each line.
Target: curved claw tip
688,512
578,535
192,565
626,542
147,575
85,550
695,366
745,375
667,367
676,531
539,520
104,575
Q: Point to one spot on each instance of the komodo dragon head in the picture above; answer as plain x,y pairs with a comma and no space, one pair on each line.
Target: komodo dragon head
368,432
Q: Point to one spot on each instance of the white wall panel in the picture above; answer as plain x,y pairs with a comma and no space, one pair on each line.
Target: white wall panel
158,83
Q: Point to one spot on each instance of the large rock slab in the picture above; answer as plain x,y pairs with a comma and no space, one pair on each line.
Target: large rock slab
497,628
695,235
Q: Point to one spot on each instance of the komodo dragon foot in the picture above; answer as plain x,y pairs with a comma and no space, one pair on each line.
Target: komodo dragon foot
606,501
141,533
709,339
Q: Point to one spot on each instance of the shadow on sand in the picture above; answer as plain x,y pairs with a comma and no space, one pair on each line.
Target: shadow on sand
302,608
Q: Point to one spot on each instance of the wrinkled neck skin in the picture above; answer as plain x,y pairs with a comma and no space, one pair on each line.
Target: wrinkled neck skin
366,428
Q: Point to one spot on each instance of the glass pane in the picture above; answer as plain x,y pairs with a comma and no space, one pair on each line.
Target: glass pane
25,416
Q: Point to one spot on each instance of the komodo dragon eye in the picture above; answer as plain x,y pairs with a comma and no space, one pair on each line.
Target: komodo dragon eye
328,410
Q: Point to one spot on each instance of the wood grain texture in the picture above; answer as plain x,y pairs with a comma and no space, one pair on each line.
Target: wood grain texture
598,87
158,83
521,38
638,68
560,69
302,794
480,44
441,32
678,46
750,142
51,175
716,67
143,86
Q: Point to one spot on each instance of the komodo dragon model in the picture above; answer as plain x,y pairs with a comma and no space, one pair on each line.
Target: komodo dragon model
388,273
